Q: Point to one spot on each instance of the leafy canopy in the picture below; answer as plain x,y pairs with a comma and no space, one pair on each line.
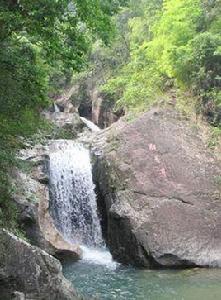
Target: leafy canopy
37,38
173,43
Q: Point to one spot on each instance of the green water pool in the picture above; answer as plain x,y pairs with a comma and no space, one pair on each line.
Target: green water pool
125,283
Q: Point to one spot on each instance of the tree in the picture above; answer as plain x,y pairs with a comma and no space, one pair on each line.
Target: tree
173,43
62,28
35,38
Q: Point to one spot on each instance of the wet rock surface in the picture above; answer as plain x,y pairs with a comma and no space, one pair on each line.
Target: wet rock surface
158,191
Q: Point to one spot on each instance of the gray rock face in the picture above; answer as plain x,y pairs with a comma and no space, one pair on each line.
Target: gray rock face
69,121
158,187
27,272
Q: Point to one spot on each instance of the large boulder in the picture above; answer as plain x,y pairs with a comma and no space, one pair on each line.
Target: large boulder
27,272
159,192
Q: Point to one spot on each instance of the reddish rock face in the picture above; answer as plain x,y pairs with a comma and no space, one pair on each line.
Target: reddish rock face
99,111
158,183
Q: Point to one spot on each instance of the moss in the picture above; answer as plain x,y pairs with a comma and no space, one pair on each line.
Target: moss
32,198
114,144
183,101
9,219
113,177
63,133
215,137
217,180
132,115
113,140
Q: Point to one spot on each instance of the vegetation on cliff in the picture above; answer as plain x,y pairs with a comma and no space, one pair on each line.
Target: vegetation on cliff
39,41
173,44
162,48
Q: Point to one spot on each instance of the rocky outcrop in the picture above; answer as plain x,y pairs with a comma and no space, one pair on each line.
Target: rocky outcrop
103,112
93,104
63,102
69,122
159,191
33,205
27,272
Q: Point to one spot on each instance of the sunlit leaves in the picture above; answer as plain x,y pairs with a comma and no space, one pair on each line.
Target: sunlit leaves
171,41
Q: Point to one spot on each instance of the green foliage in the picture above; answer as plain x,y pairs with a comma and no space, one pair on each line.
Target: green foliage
7,209
137,83
217,180
173,43
40,41
23,78
103,62
215,136
62,28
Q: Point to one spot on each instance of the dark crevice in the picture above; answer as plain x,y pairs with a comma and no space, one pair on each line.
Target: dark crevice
85,110
183,201
140,193
102,212
101,203
163,197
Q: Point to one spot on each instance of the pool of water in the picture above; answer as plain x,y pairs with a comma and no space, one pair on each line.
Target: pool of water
125,283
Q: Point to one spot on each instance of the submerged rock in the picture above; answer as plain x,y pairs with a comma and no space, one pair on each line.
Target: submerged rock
27,272
158,192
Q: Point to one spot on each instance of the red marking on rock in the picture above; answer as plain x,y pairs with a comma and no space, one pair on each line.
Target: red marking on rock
163,173
152,147
156,158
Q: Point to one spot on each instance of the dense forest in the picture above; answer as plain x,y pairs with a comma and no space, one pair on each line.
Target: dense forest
140,52
163,46
172,45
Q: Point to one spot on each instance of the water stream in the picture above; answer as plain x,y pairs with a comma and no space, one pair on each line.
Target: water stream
90,125
73,200
74,209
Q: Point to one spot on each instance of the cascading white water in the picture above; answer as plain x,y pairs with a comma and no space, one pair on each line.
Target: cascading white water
73,200
72,190
56,108
90,125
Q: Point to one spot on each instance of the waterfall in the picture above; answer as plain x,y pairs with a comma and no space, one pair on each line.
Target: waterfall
90,125
56,108
73,204
73,201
